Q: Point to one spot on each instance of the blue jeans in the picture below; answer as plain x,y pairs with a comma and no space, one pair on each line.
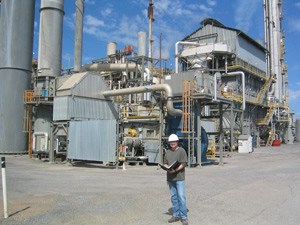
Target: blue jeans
177,190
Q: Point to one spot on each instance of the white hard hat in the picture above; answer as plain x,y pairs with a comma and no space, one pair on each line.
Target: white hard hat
173,137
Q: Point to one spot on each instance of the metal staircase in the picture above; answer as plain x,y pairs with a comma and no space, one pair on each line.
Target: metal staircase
263,91
268,116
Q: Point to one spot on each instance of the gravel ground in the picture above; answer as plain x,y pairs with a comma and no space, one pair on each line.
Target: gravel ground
262,187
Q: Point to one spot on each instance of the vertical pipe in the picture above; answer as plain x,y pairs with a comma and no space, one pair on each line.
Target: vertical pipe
160,58
16,41
78,35
199,134
50,39
3,168
221,132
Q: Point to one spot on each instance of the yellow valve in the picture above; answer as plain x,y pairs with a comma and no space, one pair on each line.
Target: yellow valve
132,133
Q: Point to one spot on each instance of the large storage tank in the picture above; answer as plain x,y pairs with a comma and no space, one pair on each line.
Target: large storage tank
111,48
16,40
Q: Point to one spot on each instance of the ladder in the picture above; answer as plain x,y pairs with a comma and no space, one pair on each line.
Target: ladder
187,119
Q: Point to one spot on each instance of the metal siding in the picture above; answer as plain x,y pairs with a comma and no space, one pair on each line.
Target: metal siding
60,108
92,140
151,150
77,108
251,54
90,86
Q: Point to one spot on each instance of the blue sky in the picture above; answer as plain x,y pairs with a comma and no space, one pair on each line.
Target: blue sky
120,21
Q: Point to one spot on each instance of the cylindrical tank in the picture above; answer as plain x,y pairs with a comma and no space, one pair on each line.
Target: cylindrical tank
111,48
78,35
298,130
50,38
16,40
142,43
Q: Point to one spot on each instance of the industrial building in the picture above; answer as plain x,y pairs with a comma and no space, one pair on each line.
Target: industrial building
228,91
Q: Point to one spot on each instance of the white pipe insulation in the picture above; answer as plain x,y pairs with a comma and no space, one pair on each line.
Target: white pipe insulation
109,67
176,51
143,89
243,85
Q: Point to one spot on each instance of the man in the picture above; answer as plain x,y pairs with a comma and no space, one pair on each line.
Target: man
176,179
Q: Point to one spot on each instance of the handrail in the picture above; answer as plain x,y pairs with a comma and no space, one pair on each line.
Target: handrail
135,111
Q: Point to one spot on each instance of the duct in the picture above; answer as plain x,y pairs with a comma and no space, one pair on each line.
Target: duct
176,51
109,67
271,93
50,38
243,85
78,35
142,89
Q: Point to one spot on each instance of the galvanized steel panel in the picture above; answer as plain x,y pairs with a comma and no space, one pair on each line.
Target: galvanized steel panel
93,140
151,151
77,108
88,84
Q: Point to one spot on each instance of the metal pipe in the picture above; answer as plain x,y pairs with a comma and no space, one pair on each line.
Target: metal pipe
143,89
78,35
109,67
243,85
176,51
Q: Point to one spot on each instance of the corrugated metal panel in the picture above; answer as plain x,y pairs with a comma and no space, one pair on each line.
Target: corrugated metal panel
88,84
251,54
151,150
93,140
91,86
77,108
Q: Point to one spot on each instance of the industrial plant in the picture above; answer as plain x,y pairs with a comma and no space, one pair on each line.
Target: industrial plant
227,93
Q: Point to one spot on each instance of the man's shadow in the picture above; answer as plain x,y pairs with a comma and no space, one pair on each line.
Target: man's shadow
170,211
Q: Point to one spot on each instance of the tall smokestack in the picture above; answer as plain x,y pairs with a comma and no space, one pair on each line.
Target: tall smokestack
50,39
16,41
151,18
78,35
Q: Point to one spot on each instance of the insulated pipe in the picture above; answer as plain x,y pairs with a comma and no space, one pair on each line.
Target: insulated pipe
109,67
78,35
243,84
144,89
176,51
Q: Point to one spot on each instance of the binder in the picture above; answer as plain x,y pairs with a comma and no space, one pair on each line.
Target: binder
174,166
